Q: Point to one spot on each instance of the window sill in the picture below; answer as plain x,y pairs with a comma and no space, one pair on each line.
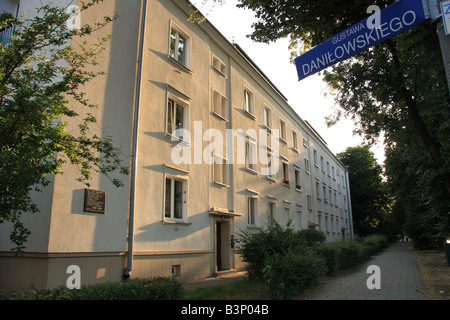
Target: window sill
180,65
252,171
271,179
267,128
176,222
219,116
176,139
295,150
249,114
221,184
283,141
219,72
252,226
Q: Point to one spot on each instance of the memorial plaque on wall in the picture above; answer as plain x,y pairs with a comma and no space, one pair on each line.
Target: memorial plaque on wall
94,201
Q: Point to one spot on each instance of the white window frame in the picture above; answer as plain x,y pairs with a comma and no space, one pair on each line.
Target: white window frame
219,66
285,172
297,179
173,54
267,116
249,102
173,116
251,160
307,166
184,199
272,212
221,171
295,141
219,105
252,211
282,126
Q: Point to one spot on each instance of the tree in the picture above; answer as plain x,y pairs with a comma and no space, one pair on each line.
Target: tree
39,74
369,198
376,86
397,85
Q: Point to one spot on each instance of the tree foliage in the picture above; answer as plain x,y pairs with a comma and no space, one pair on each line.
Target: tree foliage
397,87
39,74
369,196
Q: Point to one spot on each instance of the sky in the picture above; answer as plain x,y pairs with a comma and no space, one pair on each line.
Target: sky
310,98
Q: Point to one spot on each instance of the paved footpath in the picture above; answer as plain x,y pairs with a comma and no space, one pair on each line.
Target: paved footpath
399,278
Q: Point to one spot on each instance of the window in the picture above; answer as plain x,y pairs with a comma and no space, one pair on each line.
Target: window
287,217
248,102
272,212
220,105
267,117
322,164
305,143
250,155
175,199
298,186
309,200
336,204
333,173
307,168
176,118
285,172
330,197
319,196
179,46
270,169
283,131
325,198
252,210
220,170
299,219
294,140
219,66
316,160
328,169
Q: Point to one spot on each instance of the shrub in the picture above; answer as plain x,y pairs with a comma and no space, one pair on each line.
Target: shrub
287,273
311,237
377,242
161,288
351,252
330,254
256,248
283,258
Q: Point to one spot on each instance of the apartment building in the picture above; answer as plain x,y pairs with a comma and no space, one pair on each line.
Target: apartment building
214,149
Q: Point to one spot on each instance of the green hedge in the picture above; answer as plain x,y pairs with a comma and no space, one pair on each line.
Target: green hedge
342,255
160,288
283,258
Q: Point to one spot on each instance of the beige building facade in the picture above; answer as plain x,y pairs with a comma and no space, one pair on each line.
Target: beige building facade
214,149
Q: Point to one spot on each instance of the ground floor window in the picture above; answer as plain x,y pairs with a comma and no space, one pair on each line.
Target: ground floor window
175,199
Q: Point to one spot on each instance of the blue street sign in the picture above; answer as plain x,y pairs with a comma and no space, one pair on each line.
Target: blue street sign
445,9
394,19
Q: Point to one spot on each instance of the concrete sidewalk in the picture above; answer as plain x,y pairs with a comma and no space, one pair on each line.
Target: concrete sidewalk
400,278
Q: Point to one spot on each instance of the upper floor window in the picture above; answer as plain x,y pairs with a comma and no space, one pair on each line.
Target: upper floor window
267,117
179,46
283,131
219,66
249,103
177,119
220,105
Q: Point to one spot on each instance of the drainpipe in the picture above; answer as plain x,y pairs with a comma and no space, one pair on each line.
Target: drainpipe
134,152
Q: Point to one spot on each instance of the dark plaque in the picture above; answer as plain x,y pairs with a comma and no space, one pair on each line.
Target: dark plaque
94,201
